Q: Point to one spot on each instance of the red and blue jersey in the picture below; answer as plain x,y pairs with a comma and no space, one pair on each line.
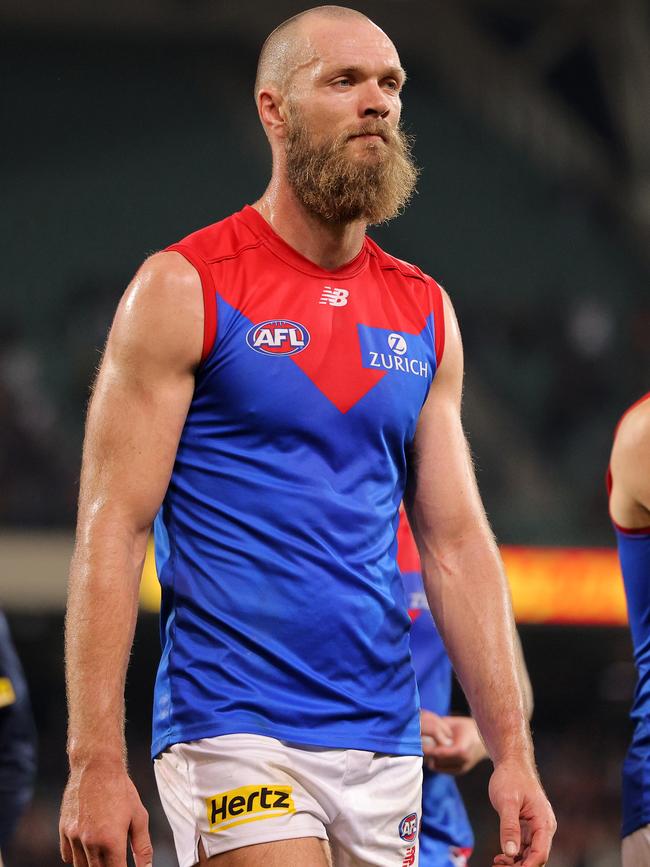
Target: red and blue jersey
283,611
446,838
634,557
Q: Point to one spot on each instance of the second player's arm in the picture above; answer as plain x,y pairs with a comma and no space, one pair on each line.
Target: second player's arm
629,500
470,601
136,415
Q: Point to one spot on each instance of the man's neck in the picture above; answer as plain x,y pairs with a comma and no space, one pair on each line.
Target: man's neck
328,245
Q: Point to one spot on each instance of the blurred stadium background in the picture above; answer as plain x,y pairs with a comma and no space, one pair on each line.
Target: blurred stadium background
129,124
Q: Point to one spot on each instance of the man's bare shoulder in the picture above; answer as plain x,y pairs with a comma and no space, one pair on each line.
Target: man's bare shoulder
161,311
168,276
630,463
632,439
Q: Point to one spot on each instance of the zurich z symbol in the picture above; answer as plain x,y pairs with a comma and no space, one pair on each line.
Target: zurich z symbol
334,297
397,343
278,337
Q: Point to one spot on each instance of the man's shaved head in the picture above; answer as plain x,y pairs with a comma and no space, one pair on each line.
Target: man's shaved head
328,91
287,47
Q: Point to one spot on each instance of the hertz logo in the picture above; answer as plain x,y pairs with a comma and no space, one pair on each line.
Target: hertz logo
248,804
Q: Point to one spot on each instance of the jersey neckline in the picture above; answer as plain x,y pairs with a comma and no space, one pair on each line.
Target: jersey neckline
290,256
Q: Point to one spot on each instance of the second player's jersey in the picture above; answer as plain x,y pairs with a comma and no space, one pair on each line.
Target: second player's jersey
17,738
283,611
634,557
446,835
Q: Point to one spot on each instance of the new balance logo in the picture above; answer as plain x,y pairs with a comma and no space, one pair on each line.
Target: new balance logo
409,859
334,297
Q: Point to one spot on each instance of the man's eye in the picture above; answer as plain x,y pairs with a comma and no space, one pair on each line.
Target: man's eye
391,84
344,82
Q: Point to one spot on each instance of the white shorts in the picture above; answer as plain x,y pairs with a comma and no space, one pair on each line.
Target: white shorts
239,790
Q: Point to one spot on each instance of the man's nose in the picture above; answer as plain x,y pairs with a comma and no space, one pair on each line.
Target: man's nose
374,101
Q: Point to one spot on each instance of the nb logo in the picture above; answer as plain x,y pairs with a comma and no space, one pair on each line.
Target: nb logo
397,343
409,858
334,297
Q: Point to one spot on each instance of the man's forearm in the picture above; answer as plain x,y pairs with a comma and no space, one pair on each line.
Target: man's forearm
100,624
470,601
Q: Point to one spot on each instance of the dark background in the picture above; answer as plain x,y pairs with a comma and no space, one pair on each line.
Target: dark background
128,125
582,680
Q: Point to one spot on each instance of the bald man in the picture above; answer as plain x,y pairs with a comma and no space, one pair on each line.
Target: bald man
272,386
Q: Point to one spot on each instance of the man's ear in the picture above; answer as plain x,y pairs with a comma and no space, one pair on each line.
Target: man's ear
272,109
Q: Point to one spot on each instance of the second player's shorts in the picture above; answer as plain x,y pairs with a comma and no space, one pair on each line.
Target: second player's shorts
635,849
435,853
240,790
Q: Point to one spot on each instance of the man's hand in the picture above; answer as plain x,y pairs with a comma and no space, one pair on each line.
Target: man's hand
451,744
100,813
527,823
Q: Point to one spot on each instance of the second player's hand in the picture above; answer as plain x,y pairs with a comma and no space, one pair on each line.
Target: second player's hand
101,814
434,731
527,822
451,744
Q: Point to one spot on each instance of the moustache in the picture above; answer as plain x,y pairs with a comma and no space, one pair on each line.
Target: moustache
378,128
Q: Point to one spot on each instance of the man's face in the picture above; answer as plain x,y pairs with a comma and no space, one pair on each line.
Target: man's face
346,157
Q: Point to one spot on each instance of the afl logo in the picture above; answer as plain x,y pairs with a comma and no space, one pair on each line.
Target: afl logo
278,337
408,827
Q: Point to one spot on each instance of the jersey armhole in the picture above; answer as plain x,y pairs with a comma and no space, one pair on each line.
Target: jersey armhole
438,322
209,296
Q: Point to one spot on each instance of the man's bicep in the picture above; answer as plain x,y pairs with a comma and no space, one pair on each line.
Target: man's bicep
142,394
131,438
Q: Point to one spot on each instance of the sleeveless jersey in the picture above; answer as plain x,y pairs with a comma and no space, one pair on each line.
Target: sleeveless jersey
283,611
634,557
446,836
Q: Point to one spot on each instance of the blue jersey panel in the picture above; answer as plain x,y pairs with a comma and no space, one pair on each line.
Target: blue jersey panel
430,661
634,556
446,835
445,824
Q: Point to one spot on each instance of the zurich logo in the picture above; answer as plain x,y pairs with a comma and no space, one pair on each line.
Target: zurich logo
396,343
278,337
408,827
